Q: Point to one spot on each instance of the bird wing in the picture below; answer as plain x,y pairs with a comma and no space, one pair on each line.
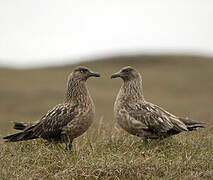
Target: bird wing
50,126
155,119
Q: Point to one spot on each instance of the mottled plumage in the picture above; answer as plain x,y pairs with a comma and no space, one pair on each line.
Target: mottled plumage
65,121
141,118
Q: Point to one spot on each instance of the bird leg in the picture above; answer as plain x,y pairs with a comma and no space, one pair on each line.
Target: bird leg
69,146
145,141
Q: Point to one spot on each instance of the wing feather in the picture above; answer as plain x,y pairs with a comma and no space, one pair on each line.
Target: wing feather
156,120
51,125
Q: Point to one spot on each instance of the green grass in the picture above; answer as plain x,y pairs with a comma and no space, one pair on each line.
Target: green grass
182,85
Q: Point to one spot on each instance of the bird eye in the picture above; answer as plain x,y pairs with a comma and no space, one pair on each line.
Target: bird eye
126,70
83,70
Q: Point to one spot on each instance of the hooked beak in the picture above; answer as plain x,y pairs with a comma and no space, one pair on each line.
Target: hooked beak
116,75
94,74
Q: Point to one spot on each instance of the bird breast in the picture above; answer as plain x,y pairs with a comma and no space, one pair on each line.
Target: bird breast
81,123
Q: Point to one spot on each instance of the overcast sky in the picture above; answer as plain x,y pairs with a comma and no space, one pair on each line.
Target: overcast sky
37,32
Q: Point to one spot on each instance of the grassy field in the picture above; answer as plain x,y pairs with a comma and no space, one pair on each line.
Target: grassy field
181,85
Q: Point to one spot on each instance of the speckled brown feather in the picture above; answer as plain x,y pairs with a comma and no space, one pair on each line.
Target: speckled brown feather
141,118
65,121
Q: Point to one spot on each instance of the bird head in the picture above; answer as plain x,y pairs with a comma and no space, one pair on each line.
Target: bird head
127,73
83,73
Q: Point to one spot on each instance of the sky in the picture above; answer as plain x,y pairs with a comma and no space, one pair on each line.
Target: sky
50,32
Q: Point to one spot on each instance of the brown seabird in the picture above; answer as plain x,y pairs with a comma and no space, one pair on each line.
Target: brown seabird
141,118
65,121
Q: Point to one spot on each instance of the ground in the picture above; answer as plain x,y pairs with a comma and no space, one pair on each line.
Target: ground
182,85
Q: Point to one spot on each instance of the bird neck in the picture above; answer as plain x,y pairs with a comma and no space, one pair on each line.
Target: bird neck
132,90
77,92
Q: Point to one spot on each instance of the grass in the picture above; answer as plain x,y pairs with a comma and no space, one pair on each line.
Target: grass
180,84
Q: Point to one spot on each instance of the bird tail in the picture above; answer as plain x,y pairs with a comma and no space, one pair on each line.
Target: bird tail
19,126
21,136
192,125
